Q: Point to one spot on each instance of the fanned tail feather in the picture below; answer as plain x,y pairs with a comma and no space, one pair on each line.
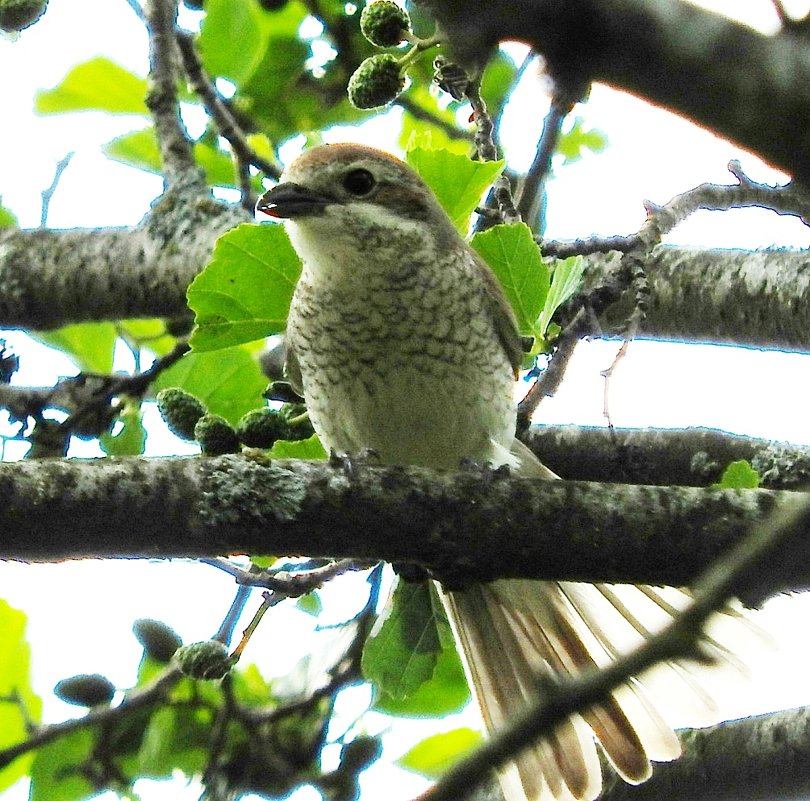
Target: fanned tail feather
511,631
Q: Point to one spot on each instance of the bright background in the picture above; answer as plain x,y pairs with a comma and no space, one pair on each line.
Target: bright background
80,614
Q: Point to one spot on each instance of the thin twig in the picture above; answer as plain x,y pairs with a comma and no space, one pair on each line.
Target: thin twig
533,189
488,151
47,194
786,200
176,153
216,106
680,639
426,115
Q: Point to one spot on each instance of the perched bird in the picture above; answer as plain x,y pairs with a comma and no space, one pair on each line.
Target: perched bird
401,341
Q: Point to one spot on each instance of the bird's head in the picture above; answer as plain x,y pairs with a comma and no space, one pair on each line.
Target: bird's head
355,193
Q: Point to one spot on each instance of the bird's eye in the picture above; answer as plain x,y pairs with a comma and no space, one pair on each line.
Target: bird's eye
358,182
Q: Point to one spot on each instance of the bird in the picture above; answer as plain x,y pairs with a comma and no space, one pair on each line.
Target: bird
403,344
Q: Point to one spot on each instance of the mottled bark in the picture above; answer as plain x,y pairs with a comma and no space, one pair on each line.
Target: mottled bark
464,526
687,457
49,278
763,757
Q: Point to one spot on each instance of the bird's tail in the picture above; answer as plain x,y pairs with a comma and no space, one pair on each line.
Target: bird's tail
513,631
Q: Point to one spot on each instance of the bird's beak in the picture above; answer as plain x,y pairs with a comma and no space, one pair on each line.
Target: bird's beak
291,200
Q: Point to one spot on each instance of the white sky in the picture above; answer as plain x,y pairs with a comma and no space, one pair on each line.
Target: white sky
652,155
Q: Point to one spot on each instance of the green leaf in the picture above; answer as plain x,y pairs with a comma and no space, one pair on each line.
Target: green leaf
55,774
739,475
577,140
15,683
434,755
148,333
497,81
89,345
310,448
139,149
565,282
513,255
401,652
176,738
229,382
95,85
7,218
244,293
446,691
130,439
457,181
418,132
232,38
310,603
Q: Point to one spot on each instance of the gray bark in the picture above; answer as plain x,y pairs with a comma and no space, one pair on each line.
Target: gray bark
686,457
763,757
750,88
471,525
49,278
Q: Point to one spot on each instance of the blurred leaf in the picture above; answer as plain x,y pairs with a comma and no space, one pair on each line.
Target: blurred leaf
446,691
148,333
497,80
426,134
7,218
401,652
176,738
95,85
229,382
139,149
250,687
55,774
244,293
435,754
457,181
513,255
310,448
130,439
739,475
565,282
574,142
15,683
89,345
232,38
310,603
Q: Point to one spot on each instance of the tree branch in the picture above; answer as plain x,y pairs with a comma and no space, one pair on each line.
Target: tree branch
471,525
685,457
49,278
750,88
679,639
754,758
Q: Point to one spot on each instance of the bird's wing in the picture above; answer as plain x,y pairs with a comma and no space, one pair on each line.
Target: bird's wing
292,370
503,318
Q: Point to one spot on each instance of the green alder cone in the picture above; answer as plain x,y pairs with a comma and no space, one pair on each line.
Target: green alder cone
376,82
159,641
15,15
204,660
180,410
260,428
384,23
216,435
86,689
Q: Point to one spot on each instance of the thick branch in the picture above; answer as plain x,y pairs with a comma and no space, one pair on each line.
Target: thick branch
764,757
751,298
691,457
49,278
750,88
464,526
